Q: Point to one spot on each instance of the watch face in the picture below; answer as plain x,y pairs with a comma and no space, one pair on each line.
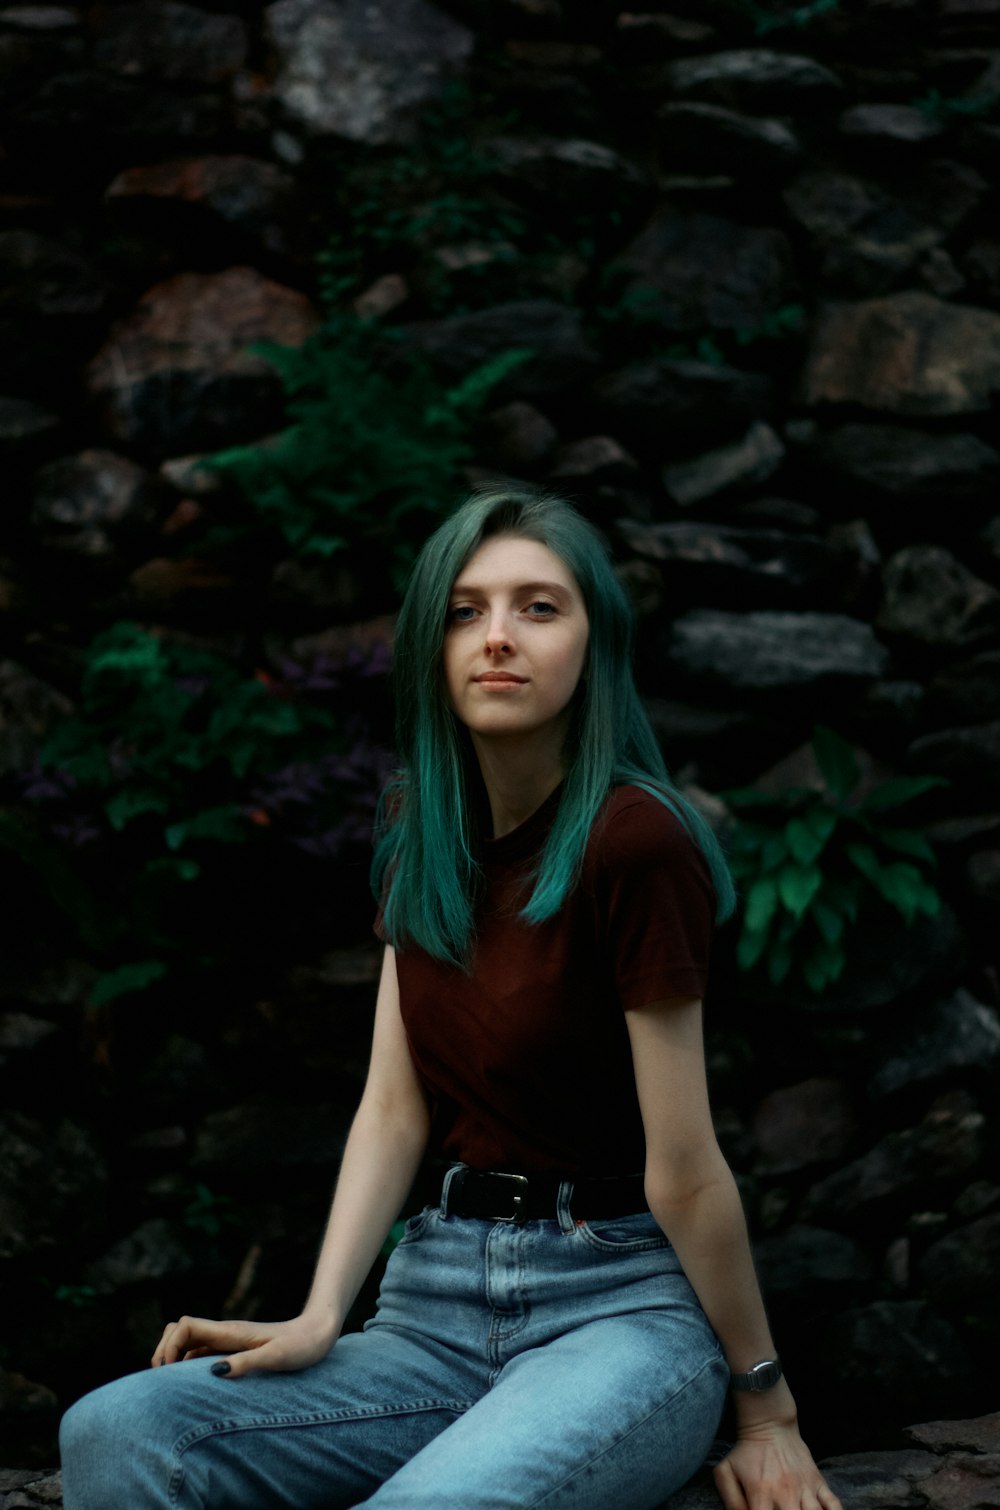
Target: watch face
765,1375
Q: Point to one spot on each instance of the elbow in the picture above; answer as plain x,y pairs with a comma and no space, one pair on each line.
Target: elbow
678,1186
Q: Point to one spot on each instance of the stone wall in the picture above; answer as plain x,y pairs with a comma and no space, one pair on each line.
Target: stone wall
751,253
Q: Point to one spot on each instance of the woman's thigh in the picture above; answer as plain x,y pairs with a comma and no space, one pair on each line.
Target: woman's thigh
612,1414
324,1437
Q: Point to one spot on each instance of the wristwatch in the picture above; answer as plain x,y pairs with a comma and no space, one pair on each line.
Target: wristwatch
762,1376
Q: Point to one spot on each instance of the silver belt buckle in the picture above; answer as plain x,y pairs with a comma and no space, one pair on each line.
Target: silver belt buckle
520,1211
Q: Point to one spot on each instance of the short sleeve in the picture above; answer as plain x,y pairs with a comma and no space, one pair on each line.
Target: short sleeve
656,900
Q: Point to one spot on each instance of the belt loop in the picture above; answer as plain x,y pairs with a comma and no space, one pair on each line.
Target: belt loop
564,1216
451,1176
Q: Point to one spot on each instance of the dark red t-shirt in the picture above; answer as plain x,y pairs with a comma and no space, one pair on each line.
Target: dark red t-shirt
527,1061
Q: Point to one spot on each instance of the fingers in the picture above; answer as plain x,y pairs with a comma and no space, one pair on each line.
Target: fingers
193,1337
729,1487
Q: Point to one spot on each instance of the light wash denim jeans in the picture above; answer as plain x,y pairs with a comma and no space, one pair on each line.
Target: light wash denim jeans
552,1364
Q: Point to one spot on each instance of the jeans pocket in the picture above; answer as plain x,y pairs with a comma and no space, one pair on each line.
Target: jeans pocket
414,1225
624,1234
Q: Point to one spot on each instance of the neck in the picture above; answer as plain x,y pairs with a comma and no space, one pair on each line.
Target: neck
518,777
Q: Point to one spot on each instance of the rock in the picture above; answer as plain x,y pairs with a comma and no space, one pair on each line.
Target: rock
981,265
867,233
880,1480
176,374
891,124
751,460
691,272
158,1249
29,1416
170,41
381,298
681,404
646,35
938,274
968,757
594,459
561,356
29,1488
51,303
745,568
360,69
245,192
806,1269
803,1124
898,1350
901,462
916,1164
308,594
958,1274
769,650
109,109
958,1033
53,1183
21,1034
244,1140
36,17
88,504
707,139
979,1435
907,353
518,436
168,583
982,874
29,709
753,79
25,430
931,599
364,647
961,693
559,174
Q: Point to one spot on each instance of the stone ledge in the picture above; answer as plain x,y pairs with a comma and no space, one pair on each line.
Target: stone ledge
951,1465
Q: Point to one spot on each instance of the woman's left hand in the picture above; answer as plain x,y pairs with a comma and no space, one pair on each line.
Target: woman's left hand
771,1468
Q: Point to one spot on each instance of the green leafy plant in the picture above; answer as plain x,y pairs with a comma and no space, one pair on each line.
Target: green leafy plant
209,1213
809,860
389,210
174,757
774,16
371,459
950,108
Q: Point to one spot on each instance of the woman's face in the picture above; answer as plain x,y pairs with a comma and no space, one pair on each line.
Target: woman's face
516,640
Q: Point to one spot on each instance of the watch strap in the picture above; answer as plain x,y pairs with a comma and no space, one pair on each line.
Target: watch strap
761,1377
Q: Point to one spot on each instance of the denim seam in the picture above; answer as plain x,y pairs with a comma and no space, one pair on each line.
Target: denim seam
313,1418
271,1423
663,1405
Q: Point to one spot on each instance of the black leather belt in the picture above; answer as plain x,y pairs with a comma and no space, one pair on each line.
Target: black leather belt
498,1197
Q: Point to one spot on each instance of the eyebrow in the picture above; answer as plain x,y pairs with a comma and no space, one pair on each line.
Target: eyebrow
556,589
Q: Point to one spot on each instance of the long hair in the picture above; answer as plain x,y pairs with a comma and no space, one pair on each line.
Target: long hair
424,869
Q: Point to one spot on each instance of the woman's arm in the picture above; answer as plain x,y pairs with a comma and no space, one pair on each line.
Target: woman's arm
693,1196
383,1151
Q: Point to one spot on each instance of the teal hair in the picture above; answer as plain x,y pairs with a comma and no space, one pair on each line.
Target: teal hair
425,867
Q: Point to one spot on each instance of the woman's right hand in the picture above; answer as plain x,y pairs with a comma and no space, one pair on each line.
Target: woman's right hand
245,1345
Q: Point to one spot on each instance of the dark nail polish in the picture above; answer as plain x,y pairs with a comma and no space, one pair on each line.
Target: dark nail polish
221,1368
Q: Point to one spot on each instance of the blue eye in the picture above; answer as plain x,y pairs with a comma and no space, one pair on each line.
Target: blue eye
462,614
547,609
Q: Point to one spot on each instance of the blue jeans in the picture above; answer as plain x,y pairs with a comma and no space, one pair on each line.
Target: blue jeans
553,1364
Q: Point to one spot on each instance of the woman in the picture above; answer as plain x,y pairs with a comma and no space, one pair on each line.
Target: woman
562,1327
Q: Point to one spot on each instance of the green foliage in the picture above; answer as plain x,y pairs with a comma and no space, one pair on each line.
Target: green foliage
209,1213
637,316
170,761
950,108
370,460
809,861
389,210
775,15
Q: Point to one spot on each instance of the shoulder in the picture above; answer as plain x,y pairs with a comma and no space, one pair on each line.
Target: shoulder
634,826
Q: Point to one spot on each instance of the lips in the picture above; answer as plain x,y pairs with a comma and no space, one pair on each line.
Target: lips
503,678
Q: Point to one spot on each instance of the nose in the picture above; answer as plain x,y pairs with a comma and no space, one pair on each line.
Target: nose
499,639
